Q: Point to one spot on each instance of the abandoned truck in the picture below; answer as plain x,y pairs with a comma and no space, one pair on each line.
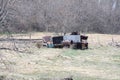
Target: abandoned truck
73,40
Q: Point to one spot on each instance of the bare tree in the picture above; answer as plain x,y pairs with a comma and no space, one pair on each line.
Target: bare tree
3,11
63,15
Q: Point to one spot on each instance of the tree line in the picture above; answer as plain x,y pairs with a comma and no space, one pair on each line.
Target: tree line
99,16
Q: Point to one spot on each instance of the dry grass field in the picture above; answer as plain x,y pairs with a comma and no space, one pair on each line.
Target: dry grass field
100,62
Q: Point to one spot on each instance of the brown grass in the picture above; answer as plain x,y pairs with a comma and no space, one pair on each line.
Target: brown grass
99,63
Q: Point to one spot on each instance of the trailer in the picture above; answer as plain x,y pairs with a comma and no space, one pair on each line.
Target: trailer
73,40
